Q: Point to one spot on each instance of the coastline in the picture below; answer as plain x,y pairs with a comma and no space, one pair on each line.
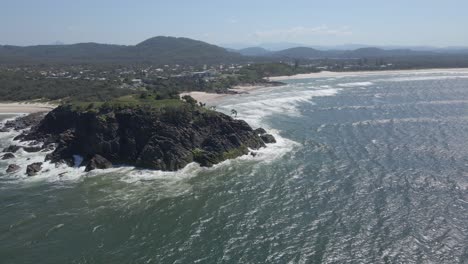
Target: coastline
24,107
324,74
212,98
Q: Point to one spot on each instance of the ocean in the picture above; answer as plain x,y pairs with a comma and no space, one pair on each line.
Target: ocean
367,169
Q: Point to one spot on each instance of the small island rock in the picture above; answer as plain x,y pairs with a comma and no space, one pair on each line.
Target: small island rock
12,149
34,168
8,156
12,168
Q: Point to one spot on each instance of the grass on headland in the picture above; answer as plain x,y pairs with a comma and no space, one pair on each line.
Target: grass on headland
145,100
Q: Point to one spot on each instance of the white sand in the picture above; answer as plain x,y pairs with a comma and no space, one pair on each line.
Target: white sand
325,74
205,97
212,98
24,107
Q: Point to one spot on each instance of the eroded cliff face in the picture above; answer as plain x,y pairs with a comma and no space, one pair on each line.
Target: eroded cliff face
161,139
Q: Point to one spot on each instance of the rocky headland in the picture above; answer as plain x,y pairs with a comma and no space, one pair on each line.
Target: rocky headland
161,137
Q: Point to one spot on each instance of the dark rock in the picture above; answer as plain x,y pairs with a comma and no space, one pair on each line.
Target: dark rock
253,154
12,149
161,138
12,168
24,122
32,149
268,138
4,129
98,162
34,168
260,131
8,156
49,147
34,143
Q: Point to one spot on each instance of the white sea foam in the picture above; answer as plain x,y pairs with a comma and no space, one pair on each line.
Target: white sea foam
253,108
423,78
285,100
356,84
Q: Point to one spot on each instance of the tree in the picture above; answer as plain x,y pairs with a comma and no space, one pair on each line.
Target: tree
190,100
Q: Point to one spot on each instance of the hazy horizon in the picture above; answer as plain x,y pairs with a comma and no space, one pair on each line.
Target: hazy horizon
373,23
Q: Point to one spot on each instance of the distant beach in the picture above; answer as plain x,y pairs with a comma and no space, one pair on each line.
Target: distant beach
325,74
211,98
25,108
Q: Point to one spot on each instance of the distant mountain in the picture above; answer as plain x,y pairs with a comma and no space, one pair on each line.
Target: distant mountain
159,50
181,50
171,50
271,46
378,52
301,53
254,51
59,53
311,53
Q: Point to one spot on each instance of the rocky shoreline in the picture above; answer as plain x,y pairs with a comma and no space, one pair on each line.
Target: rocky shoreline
164,139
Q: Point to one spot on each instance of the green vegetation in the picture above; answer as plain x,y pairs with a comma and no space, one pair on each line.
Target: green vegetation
15,86
157,50
257,72
143,100
234,153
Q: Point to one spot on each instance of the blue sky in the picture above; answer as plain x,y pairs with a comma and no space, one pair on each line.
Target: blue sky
324,22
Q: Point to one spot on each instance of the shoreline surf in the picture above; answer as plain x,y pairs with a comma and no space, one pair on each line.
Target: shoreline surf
212,98
325,74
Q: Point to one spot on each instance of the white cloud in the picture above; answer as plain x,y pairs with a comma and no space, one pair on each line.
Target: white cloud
300,31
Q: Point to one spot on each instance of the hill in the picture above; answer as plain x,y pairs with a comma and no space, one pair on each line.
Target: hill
254,51
301,52
158,50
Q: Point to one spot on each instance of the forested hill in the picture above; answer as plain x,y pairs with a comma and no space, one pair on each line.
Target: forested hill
157,50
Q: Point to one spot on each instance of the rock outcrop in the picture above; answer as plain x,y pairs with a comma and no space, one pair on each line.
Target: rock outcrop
11,149
98,162
12,168
8,156
166,138
34,168
23,122
267,138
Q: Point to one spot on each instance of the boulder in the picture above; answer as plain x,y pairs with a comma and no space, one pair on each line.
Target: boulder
12,149
49,147
24,122
268,138
8,156
12,168
33,168
98,162
32,149
260,131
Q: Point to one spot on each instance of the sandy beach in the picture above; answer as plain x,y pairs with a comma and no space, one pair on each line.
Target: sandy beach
211,98
325,74
26,108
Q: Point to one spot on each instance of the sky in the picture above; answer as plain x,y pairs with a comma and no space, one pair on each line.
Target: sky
324,22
